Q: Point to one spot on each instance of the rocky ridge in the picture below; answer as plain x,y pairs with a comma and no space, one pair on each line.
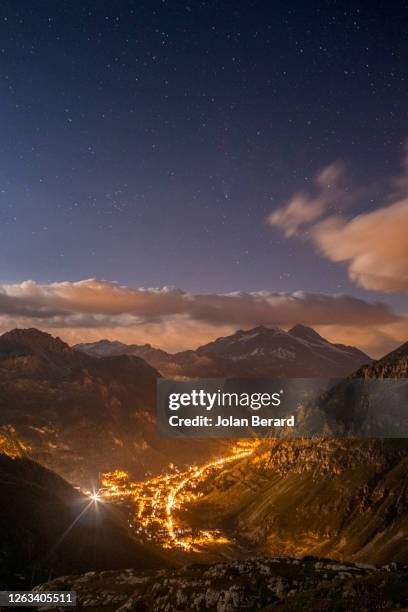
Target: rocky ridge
253,584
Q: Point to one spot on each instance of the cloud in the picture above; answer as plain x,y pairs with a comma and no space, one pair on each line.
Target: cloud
376,340
374,244
300,211
95,296
93,303
303,209
90,309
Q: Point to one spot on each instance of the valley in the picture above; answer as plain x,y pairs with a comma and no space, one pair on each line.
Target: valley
154,502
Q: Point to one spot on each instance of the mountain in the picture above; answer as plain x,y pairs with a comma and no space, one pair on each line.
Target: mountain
393,365
109,348
104,348
74,414
370,403
345,499
48,528
78,415
342,498
166,363
262,352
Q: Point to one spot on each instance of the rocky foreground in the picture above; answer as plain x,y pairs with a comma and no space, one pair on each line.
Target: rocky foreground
272,583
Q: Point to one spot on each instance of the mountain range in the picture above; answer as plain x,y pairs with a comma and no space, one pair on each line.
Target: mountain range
80,414
262,352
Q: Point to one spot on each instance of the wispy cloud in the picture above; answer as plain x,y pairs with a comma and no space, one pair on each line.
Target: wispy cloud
304,208
373,245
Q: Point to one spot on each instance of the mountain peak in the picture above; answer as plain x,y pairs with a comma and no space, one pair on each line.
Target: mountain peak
33,340
306,333
267,329
258,330
104,342
260,333
392,365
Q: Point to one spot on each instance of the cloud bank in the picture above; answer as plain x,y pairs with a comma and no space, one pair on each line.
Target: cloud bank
373,245
90,309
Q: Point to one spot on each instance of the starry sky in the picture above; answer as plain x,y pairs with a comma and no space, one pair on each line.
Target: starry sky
148,143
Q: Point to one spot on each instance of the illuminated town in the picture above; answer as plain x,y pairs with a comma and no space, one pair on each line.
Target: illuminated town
154,502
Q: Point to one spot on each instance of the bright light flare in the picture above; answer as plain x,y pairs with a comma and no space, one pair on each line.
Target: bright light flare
96,497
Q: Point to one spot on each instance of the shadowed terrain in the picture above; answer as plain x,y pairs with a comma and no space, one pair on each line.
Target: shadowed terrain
47,528
82,416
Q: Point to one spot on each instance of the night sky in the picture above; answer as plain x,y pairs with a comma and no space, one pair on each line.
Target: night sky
147,142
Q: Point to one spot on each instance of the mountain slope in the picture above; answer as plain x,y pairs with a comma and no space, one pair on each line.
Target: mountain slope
262,352
109,348
393,365
48,528
371,402
74,414
79,415
343,498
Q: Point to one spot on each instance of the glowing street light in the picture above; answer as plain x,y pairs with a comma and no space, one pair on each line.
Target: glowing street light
95,497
